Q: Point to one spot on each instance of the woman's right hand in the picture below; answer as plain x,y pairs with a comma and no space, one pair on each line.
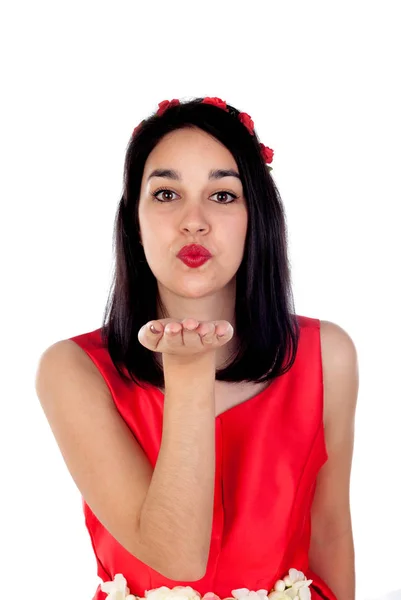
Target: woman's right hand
185,338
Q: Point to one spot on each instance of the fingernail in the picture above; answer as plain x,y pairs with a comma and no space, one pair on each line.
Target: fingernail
223,334
154,330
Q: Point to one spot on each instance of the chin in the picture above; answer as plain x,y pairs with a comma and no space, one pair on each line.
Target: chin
188,287
195,291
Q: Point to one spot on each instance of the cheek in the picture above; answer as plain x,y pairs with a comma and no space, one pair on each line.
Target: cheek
151,229
157,242
239,234
238,228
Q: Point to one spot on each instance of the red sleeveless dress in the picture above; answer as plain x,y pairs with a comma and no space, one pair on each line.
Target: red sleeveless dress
269,450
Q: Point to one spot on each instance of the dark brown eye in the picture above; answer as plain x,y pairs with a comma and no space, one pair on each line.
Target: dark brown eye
234,197
157,192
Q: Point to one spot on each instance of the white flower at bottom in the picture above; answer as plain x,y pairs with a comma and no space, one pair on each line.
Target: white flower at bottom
117,589
294,586
297,587
179,592
245,594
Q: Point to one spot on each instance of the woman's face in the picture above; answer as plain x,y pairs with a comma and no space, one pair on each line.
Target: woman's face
192,209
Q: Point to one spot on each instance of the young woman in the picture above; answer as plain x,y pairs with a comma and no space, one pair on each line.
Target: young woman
208,427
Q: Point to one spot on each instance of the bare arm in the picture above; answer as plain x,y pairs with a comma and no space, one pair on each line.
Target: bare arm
163,516
177,514
94,439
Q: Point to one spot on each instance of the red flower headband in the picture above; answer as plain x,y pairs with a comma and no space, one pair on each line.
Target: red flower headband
267,153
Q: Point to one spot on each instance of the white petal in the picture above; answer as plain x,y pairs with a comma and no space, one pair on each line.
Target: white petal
120,581
155,592
301,584
277,595
240,593
296,575
298,584
118,584
279,586
305,593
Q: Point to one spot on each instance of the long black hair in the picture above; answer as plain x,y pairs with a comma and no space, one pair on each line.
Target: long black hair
267,328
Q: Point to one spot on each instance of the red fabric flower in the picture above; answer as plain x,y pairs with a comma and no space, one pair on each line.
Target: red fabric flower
216,102
267,153
247,121
163,106
138,127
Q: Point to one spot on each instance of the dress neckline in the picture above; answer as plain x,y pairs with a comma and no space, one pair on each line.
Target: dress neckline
266,391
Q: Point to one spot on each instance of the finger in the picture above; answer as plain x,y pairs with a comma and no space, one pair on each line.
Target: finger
224,329
173,328
190,335
173,334
150,334
155,327
207,333
190,324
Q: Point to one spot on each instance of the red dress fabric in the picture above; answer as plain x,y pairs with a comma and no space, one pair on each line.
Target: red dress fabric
269,450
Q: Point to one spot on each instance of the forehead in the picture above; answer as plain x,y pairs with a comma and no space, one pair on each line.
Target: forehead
183,149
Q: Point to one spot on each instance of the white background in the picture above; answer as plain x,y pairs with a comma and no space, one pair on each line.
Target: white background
321,82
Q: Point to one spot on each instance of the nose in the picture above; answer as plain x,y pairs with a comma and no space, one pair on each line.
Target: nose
192,228
194,220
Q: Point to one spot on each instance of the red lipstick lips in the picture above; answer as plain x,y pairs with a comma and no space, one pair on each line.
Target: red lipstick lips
194,255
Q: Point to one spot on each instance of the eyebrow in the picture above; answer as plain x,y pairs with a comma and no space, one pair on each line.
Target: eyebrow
213,174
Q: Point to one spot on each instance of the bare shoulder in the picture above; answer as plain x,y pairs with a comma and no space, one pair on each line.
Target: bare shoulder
340,372
74,362
336,342
67,349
